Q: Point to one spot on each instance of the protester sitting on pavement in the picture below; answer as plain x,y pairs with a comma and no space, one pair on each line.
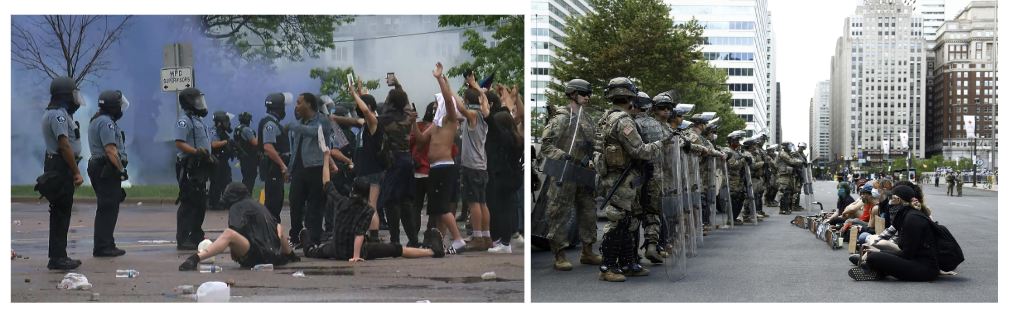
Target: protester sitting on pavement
253,237
915,258
352,218
844,199
857,212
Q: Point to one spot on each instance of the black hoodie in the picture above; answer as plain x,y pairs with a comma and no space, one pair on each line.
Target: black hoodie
252,220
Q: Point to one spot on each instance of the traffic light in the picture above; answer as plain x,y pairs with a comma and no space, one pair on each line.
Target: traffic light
853,157
842,157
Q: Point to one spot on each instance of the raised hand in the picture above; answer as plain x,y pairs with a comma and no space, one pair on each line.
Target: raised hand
439,72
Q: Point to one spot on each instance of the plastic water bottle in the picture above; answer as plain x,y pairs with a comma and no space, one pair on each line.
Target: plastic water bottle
264,267
208,268
127,273
184,289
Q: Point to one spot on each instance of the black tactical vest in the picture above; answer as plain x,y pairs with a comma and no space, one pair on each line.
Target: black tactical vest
281,144
244,144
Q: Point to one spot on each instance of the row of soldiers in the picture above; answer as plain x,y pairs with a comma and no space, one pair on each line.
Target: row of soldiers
657,172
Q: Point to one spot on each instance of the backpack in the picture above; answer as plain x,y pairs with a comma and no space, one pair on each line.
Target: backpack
949,254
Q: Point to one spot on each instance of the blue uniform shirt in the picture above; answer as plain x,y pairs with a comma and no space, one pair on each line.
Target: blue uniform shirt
194,132
56,122
271,131
104,131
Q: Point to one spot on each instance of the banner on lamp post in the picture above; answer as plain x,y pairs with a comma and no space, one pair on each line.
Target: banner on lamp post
970,126
887,147
904,140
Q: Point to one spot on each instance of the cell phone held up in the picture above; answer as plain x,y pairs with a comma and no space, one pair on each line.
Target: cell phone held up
390,79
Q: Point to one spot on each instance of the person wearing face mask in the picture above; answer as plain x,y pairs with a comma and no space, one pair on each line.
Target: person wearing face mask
247,139
62,176
107,168
914,259
786,165
274,155
194,166
221,149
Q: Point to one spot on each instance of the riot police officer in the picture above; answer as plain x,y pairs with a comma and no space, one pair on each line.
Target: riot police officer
224,151
698,133
798,186
568,136
772,183
756,164
274,156
651,130
617,146
737,188
107,168
786,165
63,149
247,144
194,166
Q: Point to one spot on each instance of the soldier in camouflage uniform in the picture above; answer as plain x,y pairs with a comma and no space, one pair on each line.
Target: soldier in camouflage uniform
617,145
710,135
785,165
697,136
556,141
756,173
949,178
734,162
748,157
798,185
651,130
772,184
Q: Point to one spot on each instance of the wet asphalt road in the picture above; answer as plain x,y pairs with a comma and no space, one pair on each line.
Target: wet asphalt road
454,278
778,262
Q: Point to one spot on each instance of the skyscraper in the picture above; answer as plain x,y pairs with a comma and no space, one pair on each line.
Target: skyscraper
738,40
877,84
820,123
964,81
932,13
547,21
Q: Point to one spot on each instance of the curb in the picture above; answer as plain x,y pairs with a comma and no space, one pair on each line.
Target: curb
92,200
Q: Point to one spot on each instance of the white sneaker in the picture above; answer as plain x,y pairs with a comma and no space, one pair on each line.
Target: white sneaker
518,242
501,249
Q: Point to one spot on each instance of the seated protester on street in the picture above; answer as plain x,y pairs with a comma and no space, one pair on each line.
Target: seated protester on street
352,218
844,198
880,187
253,237
915,258
857,212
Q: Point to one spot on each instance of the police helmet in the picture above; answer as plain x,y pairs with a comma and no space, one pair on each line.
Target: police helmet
702,118
224,118
787,145
713,125
734,136
192,99
683,109
113,99
685,124
578,85
663,100
642,101
621,87
66,86
802,145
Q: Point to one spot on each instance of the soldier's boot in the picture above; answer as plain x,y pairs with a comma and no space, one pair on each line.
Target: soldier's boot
738,222
561,262
760,217
630,262
608,271
588,256
761,213
652,254
747,219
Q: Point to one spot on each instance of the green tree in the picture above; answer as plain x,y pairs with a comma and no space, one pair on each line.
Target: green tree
637,39
505,58
333,83
265,38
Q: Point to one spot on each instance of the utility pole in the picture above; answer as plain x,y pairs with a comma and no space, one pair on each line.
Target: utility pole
992,137
975,171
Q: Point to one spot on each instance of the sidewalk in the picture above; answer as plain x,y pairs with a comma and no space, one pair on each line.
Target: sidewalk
982,186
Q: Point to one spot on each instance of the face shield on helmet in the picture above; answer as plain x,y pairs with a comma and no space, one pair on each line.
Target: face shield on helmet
200,103
289,99
78,99
123,103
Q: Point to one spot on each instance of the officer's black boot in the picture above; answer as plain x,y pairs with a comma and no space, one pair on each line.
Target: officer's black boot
630,261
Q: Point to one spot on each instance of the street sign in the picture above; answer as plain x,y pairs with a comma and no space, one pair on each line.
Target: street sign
862,161
177,78
978,162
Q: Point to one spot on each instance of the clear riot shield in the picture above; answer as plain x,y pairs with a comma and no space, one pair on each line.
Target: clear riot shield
540,219
723,195
672,217
808,189
689,224
712,190
749,193
695,166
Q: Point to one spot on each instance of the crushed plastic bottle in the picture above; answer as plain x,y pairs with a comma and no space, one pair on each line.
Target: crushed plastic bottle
263,267
17,222
488,276
209,268
74,281
184,289
127,273
298,274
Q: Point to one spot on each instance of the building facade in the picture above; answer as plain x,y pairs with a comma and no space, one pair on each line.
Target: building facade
738,40
964,84
820,124
547,21
932,12
877,85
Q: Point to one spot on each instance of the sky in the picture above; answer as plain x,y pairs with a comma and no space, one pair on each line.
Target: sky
805,45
